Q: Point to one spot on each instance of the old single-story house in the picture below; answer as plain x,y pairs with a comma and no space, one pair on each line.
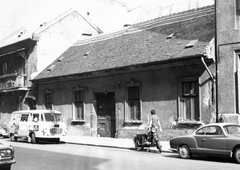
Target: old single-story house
107,85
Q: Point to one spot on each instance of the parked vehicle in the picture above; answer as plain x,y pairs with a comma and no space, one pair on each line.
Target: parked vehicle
146,140
3,132
218,139
6,157
36,125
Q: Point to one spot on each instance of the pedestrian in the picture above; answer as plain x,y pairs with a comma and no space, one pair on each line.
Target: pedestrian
156,128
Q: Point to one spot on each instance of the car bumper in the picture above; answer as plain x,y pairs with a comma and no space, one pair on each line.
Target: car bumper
8,162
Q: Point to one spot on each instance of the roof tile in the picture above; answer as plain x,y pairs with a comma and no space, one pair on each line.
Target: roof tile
139,44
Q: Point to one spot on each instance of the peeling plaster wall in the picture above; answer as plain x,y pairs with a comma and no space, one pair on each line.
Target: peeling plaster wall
228,43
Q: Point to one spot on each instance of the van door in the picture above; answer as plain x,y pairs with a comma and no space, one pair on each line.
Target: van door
23,125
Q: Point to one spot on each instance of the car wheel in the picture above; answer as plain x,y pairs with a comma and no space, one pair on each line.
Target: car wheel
184,152
236,155
33,138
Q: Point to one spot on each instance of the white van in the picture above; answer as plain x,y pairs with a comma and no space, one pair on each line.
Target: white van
36,125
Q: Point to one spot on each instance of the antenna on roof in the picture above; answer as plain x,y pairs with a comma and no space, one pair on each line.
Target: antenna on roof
170,36
51,68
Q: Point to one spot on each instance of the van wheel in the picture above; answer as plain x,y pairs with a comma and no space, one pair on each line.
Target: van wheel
33,139
11,137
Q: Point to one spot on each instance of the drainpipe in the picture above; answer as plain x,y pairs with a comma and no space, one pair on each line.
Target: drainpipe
216,59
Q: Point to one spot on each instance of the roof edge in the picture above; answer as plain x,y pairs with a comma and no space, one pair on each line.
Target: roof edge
46,25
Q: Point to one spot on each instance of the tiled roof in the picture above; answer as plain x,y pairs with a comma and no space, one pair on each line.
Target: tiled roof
139,44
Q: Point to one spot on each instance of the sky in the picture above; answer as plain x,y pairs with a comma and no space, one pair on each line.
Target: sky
108,15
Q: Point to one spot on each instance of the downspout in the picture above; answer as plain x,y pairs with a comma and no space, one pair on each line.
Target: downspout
216,59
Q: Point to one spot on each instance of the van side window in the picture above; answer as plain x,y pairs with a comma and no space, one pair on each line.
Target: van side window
42,117
24,118
35,117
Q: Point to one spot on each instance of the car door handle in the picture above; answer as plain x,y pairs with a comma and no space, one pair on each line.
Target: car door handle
203,140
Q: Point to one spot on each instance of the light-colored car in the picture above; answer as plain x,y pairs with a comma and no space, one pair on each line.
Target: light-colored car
218,139
3,132
6,157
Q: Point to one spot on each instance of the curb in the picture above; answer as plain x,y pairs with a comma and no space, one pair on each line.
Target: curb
118,147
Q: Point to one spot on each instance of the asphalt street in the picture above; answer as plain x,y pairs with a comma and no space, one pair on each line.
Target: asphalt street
51,156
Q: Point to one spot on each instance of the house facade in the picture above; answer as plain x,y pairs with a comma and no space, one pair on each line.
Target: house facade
106,85
24,54
227,61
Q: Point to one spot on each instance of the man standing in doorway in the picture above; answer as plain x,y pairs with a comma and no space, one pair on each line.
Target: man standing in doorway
156,128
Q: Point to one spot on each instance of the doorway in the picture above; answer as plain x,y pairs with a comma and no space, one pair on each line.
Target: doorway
106,120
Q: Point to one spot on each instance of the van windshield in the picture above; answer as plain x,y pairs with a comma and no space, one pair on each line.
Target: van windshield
53,117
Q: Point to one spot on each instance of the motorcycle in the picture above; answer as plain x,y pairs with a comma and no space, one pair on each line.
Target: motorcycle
147,139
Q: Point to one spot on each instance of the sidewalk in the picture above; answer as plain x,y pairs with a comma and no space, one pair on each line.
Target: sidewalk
108,142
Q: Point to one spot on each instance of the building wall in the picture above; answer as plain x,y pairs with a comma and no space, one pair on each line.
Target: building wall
51,42
55,39
14,97
228,46
159,91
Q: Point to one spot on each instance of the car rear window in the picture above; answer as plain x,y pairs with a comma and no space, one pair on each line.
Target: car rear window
232,129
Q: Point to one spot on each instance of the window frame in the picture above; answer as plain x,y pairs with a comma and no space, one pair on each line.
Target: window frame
181,114
127,115
74,119
46,103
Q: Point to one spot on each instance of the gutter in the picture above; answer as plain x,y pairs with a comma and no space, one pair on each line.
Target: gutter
19,50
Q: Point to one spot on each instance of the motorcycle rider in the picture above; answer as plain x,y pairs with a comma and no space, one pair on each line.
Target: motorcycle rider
155,126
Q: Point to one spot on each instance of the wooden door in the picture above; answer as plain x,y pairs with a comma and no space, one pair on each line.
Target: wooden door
106,114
